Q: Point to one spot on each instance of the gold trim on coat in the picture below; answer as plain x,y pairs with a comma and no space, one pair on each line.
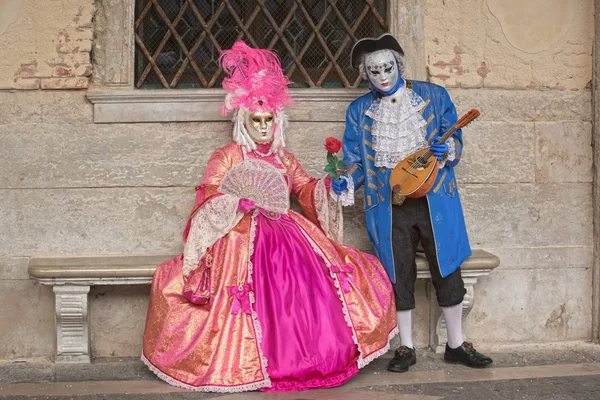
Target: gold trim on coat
425,106
440,183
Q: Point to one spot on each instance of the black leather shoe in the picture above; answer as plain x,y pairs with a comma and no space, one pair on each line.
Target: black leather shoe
403,358
467,355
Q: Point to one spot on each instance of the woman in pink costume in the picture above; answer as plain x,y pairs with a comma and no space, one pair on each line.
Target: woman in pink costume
264,298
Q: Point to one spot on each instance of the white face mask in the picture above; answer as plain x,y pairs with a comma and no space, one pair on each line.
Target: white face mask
260,126
382,70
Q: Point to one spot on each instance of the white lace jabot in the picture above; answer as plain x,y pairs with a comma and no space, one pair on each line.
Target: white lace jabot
398,128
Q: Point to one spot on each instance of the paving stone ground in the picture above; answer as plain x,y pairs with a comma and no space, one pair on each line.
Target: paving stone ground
546,374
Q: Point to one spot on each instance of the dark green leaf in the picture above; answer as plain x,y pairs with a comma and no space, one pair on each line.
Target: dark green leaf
331,159
329,168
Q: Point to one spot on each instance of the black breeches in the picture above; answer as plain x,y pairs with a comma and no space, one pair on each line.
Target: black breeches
411,224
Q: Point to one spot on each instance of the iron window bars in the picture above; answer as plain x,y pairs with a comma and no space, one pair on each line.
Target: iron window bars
178,41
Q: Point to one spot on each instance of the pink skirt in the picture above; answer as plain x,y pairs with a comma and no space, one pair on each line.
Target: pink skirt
306,339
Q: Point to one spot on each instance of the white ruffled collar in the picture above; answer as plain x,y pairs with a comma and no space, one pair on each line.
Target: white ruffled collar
398,128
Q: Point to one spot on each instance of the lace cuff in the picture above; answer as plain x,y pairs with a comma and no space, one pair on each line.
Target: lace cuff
329,212
347,196
210,223
451,156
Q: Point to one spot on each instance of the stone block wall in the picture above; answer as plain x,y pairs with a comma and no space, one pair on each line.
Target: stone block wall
510,44
70,186
526,173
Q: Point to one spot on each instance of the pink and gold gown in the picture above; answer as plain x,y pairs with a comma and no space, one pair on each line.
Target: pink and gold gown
290,308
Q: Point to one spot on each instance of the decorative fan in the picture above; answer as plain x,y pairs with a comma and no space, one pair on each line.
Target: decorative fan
259,181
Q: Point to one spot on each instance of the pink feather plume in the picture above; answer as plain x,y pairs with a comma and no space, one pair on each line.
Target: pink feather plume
254,79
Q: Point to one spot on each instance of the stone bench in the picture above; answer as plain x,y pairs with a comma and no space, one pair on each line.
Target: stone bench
71,278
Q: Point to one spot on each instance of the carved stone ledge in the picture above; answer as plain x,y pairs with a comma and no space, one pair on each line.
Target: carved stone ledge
188,105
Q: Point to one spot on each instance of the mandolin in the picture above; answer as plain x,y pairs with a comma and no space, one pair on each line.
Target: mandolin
414,176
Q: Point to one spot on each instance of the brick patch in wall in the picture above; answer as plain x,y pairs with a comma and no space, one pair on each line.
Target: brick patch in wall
70,66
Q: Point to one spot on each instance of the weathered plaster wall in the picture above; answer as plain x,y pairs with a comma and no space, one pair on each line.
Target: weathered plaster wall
512,44
527,167
45,44
69,186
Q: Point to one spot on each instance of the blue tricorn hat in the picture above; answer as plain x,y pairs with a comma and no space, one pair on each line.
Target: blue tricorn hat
370,45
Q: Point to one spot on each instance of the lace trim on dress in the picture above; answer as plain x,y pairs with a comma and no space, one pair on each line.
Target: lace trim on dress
362,359
376,354
329,213
208,388
210,223
255,321
266,382
338,287
398,128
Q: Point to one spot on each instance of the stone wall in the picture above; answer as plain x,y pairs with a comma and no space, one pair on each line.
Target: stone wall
527,169
46,44
510,44
70,186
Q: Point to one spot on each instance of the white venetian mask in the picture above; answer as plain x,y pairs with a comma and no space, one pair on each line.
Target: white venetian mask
260,126
382,70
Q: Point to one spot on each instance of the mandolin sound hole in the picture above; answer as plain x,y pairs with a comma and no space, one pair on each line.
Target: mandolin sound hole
421,163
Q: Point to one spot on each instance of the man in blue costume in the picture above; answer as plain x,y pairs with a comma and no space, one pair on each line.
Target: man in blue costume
396,118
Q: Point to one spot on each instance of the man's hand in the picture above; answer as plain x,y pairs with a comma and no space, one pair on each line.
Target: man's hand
339,185
439,150
246,205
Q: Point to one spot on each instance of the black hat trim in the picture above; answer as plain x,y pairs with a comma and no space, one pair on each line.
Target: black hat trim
370,45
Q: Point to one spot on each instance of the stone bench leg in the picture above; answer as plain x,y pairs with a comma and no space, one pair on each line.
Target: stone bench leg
437,324
72,334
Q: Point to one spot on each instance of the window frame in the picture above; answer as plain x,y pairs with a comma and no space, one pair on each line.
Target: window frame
115,99
327,70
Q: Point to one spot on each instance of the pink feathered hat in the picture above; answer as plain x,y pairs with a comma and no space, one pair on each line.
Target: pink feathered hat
254,80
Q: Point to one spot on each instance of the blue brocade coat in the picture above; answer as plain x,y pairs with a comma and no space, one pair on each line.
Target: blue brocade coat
450,232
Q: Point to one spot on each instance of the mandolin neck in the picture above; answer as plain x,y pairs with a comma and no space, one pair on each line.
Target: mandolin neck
447,135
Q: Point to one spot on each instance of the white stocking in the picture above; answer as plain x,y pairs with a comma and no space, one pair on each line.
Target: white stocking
453,316
404,319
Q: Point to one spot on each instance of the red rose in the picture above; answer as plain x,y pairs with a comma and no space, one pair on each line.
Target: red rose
333,145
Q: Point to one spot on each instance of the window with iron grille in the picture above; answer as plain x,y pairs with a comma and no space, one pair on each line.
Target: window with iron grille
178,41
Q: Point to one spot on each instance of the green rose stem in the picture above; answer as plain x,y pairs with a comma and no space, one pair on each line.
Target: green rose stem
336,169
